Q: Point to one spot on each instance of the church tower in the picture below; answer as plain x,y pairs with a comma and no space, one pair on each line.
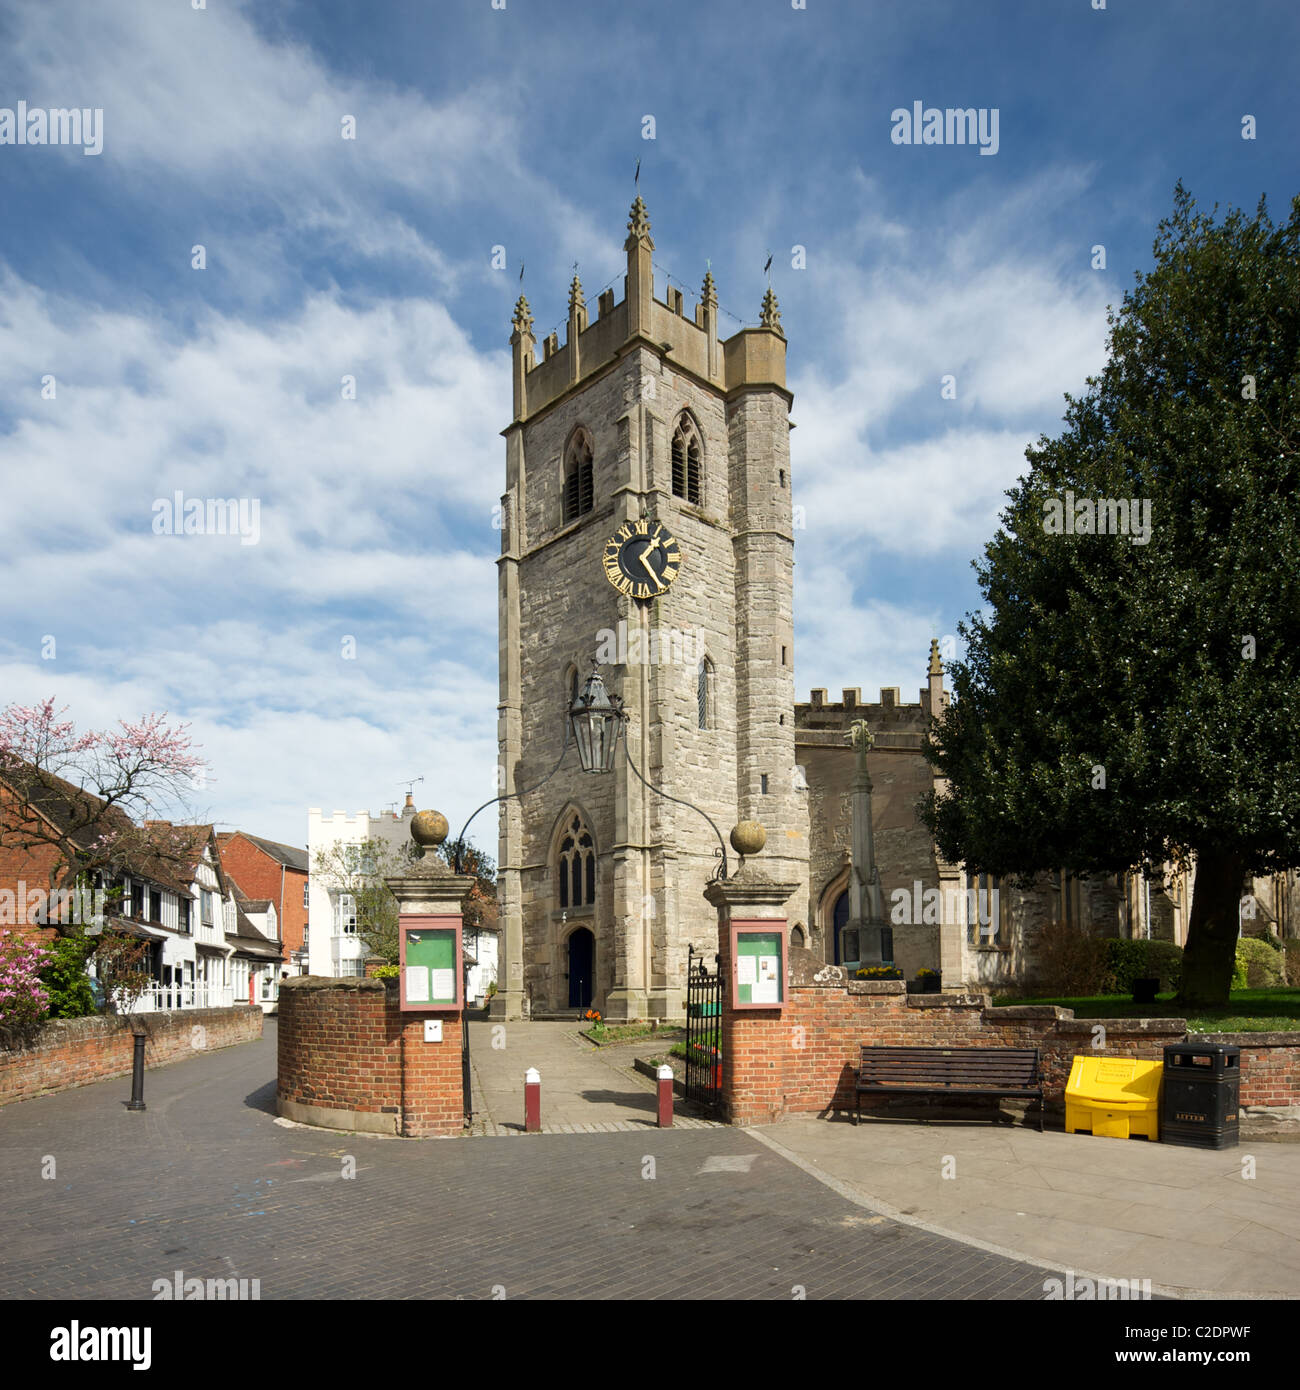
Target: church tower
646,523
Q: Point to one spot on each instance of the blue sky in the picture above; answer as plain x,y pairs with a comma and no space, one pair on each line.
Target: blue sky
521,127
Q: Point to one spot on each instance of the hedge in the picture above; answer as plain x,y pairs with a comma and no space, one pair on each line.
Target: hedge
1128,961
1259,965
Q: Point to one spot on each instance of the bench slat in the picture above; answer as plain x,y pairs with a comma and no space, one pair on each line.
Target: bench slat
952,1071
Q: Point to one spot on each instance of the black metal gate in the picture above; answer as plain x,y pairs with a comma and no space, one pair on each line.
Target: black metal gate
703,1031
466,1085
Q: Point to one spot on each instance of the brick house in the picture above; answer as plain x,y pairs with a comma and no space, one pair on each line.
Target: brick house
268,871
25,868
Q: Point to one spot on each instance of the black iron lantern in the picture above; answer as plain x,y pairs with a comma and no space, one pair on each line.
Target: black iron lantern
597,724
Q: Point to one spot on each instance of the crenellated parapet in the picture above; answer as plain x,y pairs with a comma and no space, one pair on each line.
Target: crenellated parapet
822,722
688,341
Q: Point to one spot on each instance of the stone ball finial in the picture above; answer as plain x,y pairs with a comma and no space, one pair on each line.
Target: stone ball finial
429,829
748,837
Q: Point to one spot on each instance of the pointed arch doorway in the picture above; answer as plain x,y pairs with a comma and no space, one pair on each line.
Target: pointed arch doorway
581,965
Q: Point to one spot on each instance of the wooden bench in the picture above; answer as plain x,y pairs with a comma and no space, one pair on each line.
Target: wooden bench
949,1071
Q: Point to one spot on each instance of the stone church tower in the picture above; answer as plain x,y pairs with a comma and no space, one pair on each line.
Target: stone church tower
642,414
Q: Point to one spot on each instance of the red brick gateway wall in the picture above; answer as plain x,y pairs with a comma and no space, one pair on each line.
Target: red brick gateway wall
802,1058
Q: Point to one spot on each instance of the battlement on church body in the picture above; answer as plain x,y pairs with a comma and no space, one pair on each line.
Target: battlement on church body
750,357
892,723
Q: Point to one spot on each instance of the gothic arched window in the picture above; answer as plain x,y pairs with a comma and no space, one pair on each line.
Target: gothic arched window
575,864
686,460
579,486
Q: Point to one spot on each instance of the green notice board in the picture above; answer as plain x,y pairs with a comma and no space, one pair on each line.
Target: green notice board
430,977
760,968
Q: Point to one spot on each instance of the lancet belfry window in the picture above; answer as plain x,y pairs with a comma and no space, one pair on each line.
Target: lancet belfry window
579,483
576,865
686,460
703,692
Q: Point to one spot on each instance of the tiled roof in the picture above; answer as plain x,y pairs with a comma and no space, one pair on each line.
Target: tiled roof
68,807
288,855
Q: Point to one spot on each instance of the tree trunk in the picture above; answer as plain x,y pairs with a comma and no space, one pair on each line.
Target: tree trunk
1211,952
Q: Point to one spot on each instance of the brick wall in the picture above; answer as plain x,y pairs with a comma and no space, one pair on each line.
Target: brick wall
802,1058
1270,1067
76,1051
29,868
350,1059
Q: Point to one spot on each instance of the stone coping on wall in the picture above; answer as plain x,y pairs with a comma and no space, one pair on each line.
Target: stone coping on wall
311,982
1069,1026
948,1001
58,1032
1248,1039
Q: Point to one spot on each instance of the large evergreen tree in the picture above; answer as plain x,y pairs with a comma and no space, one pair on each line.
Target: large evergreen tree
1126,704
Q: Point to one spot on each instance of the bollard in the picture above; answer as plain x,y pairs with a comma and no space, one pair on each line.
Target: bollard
532,1101
137,1075
665,1075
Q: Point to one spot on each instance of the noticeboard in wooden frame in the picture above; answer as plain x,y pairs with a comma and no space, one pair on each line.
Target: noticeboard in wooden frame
431,980
758,963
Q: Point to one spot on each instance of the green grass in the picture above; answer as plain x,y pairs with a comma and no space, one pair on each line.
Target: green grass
1249,1010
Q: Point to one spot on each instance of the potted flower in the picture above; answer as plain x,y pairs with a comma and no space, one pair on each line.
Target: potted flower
931,981
878,972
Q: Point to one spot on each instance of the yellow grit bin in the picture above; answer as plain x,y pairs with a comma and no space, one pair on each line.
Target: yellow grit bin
1114,1097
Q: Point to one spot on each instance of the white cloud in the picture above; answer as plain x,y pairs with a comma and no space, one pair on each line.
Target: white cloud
879,453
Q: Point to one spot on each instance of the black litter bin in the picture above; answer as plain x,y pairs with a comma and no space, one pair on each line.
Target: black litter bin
1201,1095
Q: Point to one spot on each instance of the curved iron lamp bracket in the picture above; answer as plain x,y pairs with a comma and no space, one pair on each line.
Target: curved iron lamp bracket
719,874
505,796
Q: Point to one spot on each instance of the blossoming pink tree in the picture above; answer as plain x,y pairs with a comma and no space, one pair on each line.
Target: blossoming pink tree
89,802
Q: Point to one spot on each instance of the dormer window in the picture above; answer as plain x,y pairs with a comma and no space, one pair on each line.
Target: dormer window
579,477
686,461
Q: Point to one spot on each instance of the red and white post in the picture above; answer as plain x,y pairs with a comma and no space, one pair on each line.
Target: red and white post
665,1078
532,1101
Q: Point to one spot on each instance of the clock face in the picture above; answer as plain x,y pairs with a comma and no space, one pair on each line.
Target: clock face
641,559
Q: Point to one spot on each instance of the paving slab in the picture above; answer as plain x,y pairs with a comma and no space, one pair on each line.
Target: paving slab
1187,1219
207,1181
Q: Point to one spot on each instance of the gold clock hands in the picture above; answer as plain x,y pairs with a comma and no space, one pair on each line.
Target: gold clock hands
645,562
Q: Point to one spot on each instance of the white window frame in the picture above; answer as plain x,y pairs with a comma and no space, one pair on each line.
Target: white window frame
346,915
